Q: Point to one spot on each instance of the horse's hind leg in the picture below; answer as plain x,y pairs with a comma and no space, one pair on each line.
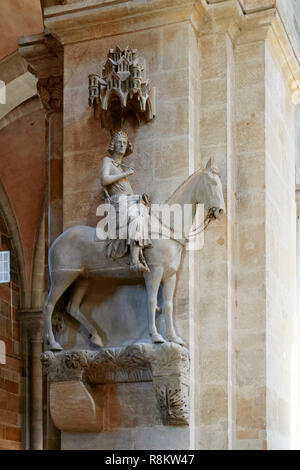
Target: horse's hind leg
60,281
74,310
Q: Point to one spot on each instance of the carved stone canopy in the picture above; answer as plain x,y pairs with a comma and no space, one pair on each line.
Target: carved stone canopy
32,322
122,92
80,374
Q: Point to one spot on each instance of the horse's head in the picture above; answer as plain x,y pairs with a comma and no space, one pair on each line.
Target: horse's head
209,191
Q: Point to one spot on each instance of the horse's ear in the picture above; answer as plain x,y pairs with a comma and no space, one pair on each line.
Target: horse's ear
209,164
215,169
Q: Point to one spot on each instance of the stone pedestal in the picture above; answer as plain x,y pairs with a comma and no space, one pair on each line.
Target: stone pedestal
121,391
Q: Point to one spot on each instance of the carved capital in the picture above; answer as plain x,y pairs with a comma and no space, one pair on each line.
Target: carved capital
44,56
32,322
50,91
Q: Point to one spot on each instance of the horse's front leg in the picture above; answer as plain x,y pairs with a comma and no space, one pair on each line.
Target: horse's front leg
152,280
168,292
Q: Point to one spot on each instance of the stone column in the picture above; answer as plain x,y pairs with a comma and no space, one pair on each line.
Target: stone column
264,338
249,75
50,90
44,56
51,93
249,78
216,308
36,339
32,323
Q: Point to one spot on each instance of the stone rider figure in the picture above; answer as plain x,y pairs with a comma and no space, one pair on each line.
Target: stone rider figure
130,209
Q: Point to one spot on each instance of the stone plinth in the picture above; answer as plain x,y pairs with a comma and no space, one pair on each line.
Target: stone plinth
142,384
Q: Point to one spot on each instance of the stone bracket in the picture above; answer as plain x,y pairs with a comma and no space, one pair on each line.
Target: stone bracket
74,375
73,408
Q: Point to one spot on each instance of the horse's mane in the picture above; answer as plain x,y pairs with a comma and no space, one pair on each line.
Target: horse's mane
184,183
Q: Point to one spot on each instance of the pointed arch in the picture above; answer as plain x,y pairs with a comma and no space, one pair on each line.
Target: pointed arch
7,213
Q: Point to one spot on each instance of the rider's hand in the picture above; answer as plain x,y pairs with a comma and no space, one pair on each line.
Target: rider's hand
129,172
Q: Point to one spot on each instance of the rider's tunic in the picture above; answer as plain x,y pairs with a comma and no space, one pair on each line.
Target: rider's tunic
129,218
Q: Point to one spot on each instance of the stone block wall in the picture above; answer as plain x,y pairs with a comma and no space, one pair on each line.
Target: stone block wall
249,333
247,320
281,319
10,373
214,259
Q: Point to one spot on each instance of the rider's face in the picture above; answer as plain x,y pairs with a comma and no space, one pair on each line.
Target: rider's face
120,145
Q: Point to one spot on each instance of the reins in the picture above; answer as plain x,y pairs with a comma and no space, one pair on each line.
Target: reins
199,229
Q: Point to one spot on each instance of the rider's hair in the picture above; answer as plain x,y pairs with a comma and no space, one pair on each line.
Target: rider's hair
114,136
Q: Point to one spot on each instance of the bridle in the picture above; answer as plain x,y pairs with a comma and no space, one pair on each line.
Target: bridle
203,226
199,229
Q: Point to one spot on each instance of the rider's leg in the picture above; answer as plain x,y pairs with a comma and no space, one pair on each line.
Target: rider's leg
134,253
135,262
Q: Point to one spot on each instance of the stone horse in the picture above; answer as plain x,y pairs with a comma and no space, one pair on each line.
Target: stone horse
76,257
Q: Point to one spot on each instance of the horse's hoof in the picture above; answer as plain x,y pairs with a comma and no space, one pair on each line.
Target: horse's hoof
54,346
95,339
157,338
175,339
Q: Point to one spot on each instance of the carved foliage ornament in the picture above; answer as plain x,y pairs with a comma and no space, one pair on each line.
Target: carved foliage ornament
173,399
121,90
